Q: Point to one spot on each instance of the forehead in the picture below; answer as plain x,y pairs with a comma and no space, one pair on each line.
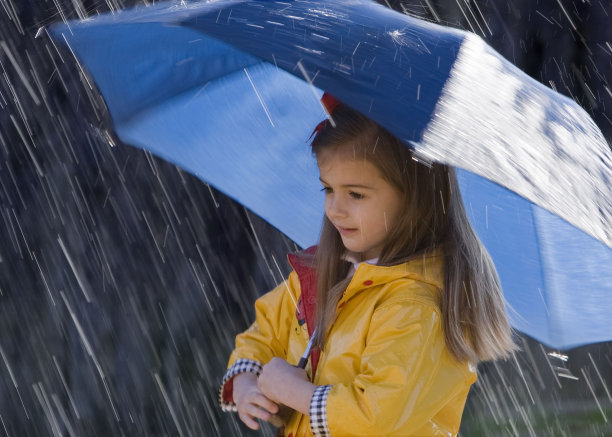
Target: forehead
341,165
346,151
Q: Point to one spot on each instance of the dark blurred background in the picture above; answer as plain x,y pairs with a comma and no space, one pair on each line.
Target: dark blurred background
123,279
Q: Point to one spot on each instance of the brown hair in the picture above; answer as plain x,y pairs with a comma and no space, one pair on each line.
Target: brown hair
472,305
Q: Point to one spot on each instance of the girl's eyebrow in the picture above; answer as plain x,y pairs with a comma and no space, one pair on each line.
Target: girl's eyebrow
367,187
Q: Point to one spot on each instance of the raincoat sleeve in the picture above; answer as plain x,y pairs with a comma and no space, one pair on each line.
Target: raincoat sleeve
406,377
266,338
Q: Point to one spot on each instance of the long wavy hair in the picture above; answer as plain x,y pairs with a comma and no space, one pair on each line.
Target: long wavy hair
432,218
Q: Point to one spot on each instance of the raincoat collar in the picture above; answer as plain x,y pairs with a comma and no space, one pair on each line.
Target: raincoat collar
428,268
304,267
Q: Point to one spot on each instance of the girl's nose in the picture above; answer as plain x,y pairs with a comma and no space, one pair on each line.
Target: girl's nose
334,207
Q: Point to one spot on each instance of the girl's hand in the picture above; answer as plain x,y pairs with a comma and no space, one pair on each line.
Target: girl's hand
285,384
251,402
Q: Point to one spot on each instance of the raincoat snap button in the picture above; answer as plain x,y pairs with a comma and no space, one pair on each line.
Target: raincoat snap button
368,282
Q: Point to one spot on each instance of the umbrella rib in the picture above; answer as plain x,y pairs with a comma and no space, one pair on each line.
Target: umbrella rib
542,273
313,89
265,108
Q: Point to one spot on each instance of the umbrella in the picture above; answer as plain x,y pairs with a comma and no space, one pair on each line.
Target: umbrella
229,90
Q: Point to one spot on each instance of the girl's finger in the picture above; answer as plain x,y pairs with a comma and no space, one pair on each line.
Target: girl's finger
248,421
265,403
255,412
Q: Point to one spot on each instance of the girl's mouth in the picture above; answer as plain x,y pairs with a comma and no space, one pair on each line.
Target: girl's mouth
346,231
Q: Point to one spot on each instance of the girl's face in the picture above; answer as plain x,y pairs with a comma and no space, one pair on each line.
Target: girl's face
359,202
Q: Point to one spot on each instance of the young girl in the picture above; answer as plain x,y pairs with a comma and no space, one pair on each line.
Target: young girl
404,298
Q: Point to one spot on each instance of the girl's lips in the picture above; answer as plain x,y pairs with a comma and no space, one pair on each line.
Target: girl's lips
346,231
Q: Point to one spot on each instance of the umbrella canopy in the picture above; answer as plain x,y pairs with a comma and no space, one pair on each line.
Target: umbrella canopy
229,90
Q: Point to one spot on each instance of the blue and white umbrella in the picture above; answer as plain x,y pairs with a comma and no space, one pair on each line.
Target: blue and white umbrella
229,90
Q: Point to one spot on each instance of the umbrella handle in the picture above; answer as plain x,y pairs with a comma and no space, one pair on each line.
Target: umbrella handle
281,418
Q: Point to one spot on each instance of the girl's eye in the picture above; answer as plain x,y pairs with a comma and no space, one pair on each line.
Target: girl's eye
327,190
356,195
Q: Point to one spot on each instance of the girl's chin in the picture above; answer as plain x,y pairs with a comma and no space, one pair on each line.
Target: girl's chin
359,252
351,245
354,249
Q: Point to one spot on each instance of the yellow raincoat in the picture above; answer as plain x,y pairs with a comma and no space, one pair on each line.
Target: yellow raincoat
385,356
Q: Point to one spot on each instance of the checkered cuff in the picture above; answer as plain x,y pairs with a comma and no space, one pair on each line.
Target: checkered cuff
225,391
318,415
